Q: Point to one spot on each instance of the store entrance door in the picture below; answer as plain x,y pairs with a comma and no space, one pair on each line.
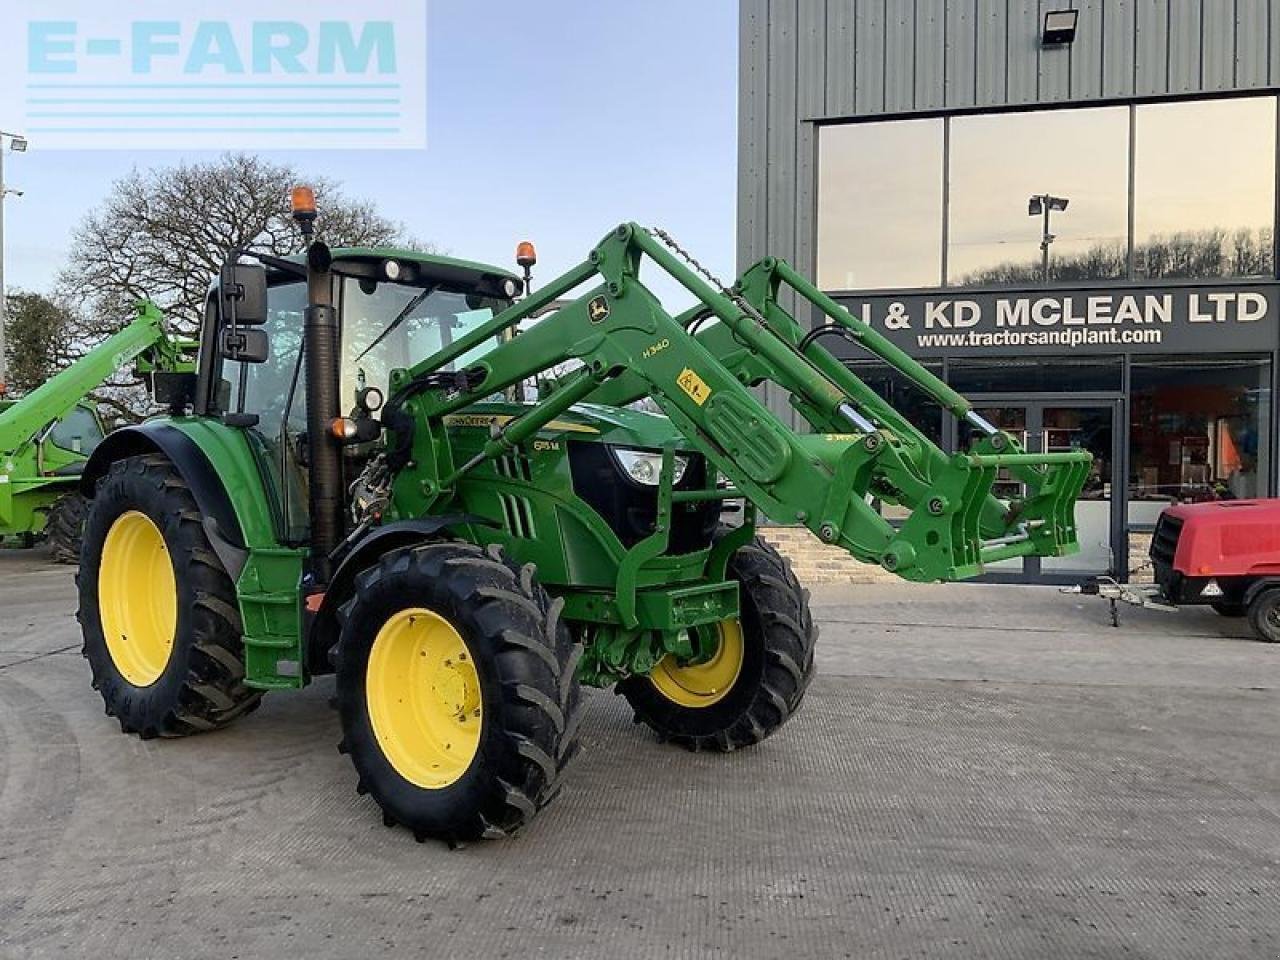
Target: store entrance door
1050,425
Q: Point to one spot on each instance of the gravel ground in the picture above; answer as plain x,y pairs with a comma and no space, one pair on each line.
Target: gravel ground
978,771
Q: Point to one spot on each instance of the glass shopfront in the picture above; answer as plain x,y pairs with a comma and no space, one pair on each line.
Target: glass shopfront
950,201
1198,430
1090,278
1185,429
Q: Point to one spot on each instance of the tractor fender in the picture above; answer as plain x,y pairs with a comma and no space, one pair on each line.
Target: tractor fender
219,517
392,536
1257,586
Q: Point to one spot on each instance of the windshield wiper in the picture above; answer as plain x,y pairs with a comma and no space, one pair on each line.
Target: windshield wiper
400,318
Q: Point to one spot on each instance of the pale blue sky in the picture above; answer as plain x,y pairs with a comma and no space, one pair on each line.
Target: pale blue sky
551,121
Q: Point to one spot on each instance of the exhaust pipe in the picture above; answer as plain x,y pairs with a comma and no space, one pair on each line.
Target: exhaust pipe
321,340
322,343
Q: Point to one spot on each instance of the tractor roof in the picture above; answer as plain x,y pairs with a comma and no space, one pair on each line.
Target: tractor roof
425,268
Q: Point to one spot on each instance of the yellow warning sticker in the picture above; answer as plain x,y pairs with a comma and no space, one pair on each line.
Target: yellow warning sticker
694,386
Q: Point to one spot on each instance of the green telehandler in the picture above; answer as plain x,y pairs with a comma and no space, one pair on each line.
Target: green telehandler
395,468
47,435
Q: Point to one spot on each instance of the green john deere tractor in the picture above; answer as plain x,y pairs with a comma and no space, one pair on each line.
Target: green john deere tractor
47,435
393,467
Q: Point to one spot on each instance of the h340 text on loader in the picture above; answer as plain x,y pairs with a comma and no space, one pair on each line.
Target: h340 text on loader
464,556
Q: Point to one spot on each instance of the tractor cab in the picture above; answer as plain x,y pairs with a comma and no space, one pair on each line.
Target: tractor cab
395,307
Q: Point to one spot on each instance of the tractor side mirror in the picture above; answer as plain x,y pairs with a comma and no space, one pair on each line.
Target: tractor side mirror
248,288
245,345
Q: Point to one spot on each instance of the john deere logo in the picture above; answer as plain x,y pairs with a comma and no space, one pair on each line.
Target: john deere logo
598,309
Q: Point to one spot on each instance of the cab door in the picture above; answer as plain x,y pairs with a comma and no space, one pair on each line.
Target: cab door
272,396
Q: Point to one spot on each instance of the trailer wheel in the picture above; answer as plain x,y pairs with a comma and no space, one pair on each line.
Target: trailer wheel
457,691
64,527
1264,615
158,612
757,676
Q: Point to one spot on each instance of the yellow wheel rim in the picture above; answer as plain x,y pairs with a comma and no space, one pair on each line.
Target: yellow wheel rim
424,699
702,684
137,598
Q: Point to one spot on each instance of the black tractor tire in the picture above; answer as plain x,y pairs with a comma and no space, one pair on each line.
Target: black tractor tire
778,637
201,685
1264,615
64,527
522,690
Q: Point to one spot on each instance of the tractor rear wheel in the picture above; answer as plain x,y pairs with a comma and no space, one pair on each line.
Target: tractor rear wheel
158,612
456,689
64,527
1264,615
756,677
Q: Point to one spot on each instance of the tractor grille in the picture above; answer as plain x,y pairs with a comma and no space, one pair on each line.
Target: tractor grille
631,510
514,466
517,513
518,516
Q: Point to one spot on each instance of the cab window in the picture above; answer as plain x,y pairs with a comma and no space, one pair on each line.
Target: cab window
78,432
386,327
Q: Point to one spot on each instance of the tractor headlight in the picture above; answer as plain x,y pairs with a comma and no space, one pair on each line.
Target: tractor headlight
645,466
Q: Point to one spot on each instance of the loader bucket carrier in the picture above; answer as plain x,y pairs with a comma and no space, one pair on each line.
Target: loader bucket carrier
631,348
463,553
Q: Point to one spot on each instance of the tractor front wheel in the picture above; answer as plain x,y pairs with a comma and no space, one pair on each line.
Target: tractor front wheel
158,612
456,689
756,673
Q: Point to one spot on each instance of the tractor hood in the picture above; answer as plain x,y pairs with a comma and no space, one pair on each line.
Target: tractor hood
586,421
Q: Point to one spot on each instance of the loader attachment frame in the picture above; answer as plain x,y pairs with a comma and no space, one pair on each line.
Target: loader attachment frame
628,346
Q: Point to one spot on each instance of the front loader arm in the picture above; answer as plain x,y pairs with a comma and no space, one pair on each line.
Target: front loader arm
620,334
143,339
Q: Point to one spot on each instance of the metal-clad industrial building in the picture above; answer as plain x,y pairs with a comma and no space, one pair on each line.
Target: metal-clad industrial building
1076,229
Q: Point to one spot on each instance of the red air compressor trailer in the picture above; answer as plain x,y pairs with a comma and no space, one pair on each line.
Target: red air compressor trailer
1224,554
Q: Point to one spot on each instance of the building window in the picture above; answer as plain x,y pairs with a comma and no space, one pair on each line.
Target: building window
1036,375
1202,203
1000,161
1204,188
880,205
1198,431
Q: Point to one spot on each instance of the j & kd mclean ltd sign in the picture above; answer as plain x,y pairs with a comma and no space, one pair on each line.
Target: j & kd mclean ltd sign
1234,319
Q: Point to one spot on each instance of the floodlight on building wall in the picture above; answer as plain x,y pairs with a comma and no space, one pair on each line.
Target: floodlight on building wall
19,144
1059,27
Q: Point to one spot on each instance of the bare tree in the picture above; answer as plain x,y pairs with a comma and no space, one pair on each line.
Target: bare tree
37,331
163,233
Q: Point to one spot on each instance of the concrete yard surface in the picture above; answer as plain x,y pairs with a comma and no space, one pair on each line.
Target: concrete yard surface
977,771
